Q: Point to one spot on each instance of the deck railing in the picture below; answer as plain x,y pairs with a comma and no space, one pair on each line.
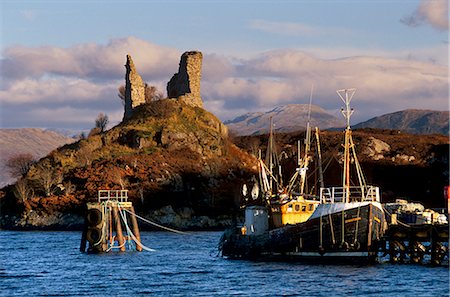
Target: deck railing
351,194
113,195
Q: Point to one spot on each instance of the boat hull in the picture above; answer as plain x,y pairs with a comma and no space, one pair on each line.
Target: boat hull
349,235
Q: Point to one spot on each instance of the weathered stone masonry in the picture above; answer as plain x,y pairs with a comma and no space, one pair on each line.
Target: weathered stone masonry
185,85
134,88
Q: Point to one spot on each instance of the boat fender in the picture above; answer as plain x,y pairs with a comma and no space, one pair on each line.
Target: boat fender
94,217
344,246
94,236
321,250
244,190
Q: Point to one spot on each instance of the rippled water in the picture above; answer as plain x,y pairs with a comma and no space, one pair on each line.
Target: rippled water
50,264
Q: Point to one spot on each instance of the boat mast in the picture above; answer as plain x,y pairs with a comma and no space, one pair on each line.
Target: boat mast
319,157
346,96
307,146
270,152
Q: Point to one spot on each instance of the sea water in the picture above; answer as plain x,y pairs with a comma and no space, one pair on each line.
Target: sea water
50,264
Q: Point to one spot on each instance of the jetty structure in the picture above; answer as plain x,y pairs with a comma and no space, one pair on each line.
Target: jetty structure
111,224
415,235
107,224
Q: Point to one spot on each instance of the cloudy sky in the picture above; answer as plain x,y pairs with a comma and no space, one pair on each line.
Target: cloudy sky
61,62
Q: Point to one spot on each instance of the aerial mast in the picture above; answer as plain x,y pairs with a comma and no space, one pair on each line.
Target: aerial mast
346,96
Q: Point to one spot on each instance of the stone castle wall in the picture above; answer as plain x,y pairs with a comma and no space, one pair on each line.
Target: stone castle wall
134,88
185,85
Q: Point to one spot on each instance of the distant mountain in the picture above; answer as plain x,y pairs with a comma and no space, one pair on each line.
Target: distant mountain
71,133
287,118
413,121
34,141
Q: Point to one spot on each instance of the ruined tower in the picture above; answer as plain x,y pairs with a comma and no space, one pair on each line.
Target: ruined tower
185,85
134,88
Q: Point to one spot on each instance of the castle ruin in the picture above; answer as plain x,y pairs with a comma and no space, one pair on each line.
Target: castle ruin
185,85
134,88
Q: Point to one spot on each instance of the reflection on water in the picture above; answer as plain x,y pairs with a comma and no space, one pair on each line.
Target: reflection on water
49,263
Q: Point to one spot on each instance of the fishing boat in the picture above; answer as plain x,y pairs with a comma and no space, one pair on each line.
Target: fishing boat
286,204
346,225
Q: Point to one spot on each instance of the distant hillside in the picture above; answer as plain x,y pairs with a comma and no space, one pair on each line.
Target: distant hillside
408,166
175,160
413,121
287,118
34,141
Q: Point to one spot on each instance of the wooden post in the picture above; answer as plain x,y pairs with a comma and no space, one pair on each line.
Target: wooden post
110,226
119,233
136,230
83,236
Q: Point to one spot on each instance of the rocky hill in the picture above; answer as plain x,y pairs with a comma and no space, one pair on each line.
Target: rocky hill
411,121
173,156
414,167
33,141
182,169
287,118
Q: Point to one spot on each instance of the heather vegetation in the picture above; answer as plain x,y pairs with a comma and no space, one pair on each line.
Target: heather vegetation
167,154
408,166
183,169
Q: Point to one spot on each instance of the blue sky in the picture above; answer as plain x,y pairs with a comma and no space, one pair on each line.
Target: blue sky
62,61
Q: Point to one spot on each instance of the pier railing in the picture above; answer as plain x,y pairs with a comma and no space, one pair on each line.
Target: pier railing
113,195
351,194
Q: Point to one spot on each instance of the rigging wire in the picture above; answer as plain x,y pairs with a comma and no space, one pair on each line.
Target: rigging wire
155,224
131,233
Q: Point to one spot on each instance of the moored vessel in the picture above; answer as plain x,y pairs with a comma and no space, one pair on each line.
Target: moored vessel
346,226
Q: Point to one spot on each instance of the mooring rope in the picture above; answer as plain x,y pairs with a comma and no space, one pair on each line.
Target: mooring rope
398,221
125,220
131,233
115,247
155,224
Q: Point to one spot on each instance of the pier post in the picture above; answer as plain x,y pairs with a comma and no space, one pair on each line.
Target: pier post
118,226
104,223
135,229
83,237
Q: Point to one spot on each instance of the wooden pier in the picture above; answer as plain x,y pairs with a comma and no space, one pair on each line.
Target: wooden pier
107,226
416,243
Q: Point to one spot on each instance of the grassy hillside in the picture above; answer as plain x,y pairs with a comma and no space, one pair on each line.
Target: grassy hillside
168,153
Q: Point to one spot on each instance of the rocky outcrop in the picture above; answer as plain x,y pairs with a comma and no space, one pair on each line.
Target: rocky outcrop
134,88
185,85
37,220
375,148
186,219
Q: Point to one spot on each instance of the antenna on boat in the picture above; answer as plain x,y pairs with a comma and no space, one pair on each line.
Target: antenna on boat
346,96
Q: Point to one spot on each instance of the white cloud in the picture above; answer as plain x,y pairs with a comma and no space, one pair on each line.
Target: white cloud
89,60
293,29
432,12
384,84
51,85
